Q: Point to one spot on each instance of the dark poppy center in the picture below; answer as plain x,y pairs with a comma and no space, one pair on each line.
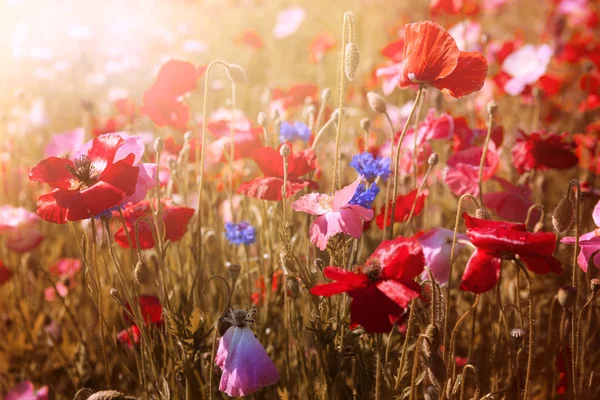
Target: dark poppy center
372,269
83,171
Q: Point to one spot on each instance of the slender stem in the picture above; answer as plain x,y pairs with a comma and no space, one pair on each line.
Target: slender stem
320,133
452,250
484,154
575,182
414,205
576,348
378,371
415,134
522,266
415,367
530,211
411,320
231,150
397,157
451,361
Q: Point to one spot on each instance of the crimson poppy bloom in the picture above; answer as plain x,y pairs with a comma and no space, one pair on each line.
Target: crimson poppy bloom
497,240
382,287
152,313
292,97
89,185
174,218
404,204
431,57
249,37
541,150
455,7
320,44
270,163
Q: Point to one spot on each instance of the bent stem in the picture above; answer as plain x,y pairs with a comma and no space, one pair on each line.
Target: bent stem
415,131
484,154
452,250
576,348
450,362
522,266
530,211
397,157
411,319
414,205
575,182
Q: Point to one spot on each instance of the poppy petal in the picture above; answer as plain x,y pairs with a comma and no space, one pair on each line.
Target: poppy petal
468,76
53,171
400,293
400,258
344,195
542,264
481,273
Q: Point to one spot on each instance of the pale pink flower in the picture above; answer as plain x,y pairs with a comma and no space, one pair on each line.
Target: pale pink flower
589,243
66,143
437,245
525,66
20,227
335,214
288,22
65,269
245,364
467,35
391,75
26,391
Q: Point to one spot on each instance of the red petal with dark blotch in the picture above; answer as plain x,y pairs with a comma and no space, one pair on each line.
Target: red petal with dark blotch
400,293
430,53
103,150
373,310
499,238
122,175
269,188
468,76
481,273
53,171
400,258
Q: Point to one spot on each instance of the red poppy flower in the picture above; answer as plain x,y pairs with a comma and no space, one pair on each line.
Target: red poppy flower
462,169
88,186
393,50
101,126
162,101
382,287
431,57
270,163
294,96
249,37
511,202
404,204
152,313
454,7
496,240
465,137
174,218
126,107
5,274
541,151
320,44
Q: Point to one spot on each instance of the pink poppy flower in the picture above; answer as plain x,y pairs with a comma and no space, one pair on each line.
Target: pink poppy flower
462,169
511,203
437,246
467,35
66,143
288,22
335,215
26,391
20,227
525,66
65,269
245,364
391,75
588,242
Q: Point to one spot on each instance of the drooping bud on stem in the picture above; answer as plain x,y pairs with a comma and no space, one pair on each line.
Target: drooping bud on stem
377,103
236,74
365,124
564,213
482,213
433,159
352,60
566,296
141,272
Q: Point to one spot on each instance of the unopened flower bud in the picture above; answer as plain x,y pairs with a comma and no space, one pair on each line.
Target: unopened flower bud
285,150
482,213
319,264
234,271
335,115
492,107
376,102
433,159
352,60
236,74
141,272
293,286
564,214
262,119
365,124
311,109
516,337
595,285
159,145
113,292
567,296
109,395
187,137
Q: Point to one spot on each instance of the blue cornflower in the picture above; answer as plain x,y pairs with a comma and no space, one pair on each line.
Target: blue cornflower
242,233
364,196
290,132
372,167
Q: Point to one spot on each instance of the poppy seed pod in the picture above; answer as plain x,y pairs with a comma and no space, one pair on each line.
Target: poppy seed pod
516,337
376,102
262,119
285,150
234,271
159,145
492,107
352,60
567,296
482,213
141,272
595,285
365,124
433,159
236,74
564,214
